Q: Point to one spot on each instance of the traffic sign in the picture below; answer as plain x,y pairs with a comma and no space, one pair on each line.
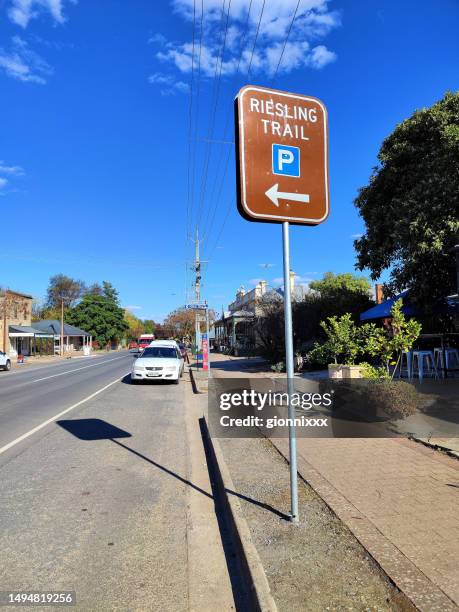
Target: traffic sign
282,152
196,306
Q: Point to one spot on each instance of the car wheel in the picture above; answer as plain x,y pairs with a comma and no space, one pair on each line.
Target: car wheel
8,366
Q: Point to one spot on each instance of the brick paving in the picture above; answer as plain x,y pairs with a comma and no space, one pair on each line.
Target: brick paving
399,498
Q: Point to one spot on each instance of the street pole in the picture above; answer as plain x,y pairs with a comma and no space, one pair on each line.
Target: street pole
197,289
290,371
62,327
5,331
208,341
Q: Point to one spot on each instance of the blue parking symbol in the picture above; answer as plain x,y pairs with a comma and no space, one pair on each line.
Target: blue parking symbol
286,160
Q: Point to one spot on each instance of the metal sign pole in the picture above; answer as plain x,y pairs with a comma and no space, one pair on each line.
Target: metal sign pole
208,342
290,370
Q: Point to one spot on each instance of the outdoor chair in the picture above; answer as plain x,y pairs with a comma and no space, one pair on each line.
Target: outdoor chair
406,358
451,357
424,363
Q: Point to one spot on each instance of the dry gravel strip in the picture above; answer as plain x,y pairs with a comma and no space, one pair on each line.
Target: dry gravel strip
316,565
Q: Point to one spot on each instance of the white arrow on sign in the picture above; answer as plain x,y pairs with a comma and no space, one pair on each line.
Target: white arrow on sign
274,195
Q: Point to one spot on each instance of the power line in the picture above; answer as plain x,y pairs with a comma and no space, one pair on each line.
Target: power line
285,42
193,153
248,74
256,38
228,118
216,92
190,125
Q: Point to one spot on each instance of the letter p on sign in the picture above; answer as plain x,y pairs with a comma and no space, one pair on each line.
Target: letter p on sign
286,160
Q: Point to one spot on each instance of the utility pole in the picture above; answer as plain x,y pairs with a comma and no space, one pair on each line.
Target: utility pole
197,290
5,321
62,328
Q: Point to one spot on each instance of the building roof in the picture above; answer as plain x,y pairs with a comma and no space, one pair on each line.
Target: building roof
24,295
24,331
298,293
53,326
382,311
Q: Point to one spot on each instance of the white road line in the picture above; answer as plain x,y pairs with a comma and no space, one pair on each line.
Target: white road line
92,365
35,368
57,416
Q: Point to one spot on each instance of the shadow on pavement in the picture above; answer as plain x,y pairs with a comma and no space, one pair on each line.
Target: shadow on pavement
127,381
282,515
93,429
97,429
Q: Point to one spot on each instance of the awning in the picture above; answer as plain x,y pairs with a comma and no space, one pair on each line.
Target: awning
382,311
24,331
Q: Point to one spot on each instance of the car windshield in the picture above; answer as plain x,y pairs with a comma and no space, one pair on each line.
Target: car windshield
160,351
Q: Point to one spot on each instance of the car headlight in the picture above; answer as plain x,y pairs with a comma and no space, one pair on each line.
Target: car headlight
136,367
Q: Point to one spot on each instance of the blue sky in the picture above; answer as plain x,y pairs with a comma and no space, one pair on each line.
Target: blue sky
94,140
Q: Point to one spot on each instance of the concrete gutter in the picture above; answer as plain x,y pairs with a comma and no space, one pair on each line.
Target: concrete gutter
199,380
257,589
438,444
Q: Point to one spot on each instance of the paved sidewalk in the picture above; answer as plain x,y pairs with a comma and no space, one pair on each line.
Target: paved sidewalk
399,498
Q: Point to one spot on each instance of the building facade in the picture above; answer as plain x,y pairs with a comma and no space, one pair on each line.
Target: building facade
235,331
15,322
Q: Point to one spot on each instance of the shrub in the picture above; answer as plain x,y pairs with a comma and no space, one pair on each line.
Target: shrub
372,372
397,398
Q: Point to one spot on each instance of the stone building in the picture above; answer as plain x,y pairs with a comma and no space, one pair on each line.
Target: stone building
234,331
16,332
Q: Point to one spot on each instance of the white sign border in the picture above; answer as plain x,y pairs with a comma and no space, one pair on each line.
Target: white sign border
245,206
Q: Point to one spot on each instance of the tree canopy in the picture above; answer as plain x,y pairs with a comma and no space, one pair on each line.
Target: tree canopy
335,285
64,288
136,326
100,316
410,205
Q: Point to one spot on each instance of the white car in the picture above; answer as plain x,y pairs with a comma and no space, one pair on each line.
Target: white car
5,362
158,362
164,343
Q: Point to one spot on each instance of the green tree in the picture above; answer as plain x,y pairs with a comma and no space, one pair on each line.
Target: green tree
343,343
334,295
389,345
149,326
136,326
336,285
410,205
109,291
101,317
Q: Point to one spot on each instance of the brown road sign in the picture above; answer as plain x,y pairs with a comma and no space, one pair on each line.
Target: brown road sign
282,141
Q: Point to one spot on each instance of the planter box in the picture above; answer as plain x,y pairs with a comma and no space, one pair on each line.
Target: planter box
351,371
338,371
335,370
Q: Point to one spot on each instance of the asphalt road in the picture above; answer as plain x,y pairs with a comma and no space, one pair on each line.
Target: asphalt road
95,502
30,396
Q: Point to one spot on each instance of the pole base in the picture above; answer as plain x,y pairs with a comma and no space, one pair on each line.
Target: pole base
294,519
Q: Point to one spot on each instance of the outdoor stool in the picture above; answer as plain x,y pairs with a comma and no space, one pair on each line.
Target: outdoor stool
451,355
424,358
408,357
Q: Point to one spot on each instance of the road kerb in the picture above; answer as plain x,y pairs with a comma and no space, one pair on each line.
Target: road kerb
258,586
209,586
